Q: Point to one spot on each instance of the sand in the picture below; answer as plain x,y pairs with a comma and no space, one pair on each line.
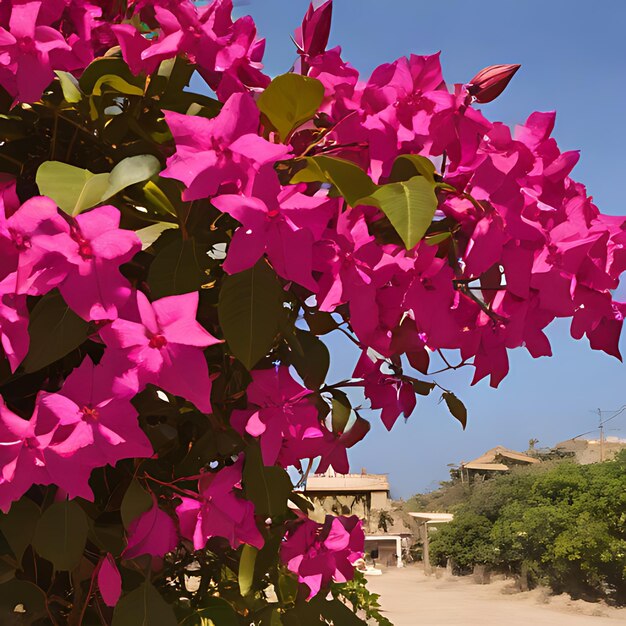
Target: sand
409,598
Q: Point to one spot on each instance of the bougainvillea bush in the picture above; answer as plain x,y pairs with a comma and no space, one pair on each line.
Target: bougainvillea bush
169,261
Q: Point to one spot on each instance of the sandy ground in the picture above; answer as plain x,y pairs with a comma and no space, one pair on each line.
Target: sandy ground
409,598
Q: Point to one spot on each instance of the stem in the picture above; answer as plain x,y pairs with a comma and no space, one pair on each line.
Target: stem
86,604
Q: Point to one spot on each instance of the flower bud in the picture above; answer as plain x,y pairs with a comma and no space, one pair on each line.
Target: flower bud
490,82
312,36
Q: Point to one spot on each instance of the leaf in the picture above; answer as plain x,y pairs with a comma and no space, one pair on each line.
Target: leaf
157,198
246,569
129,171
70,87
250,311
408,165
342,409
433,240
150,234
422,387
30,599
339,613
313,362
214,610
456,407
144,607
135,502
55,330
349,179
178,268
268,488
108,66
18,526
75,189
61,535
118,84
287,588
410,207
290,100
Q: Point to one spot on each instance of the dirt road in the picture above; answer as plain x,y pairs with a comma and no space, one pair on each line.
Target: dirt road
411,599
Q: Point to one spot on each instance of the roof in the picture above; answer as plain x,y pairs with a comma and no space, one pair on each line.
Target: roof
494,457
432,517
349,483
491,467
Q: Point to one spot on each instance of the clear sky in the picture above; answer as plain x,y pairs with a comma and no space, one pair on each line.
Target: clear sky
573,57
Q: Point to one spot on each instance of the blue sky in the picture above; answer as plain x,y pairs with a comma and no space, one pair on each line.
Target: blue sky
573,58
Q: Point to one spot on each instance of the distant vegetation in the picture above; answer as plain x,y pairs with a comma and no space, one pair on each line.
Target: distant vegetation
558,524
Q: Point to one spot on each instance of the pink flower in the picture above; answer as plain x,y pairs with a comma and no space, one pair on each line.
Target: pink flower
278,221
109,581
94,247
153,533
219,511
105,426
28,265
166,339
225,149
280,410
322,553
27,53
14,336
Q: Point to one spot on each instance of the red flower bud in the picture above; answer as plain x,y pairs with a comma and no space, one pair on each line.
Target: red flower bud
490,82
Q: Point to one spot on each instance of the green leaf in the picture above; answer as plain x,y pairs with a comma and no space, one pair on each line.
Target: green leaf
27,598
157,198
150,234
433,240
70,87
349,179
135,502
55,330
118,84
18,526
108,66
287,588
61,535
246,569
410,207
456,407
178,268
214,610
129,171
342,409
75,189
250,311
408,165
268,488
339,613
144,607
289,101
313,362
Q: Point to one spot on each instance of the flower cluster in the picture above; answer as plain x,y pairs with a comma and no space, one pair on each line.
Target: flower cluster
388,207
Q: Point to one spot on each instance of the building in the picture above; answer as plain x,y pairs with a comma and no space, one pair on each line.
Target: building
429,522
388,532
495,461
585,451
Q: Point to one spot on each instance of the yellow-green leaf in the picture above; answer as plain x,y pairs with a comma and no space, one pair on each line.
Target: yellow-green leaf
118,84
70,87
349,179
410,206
246,568
289,101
